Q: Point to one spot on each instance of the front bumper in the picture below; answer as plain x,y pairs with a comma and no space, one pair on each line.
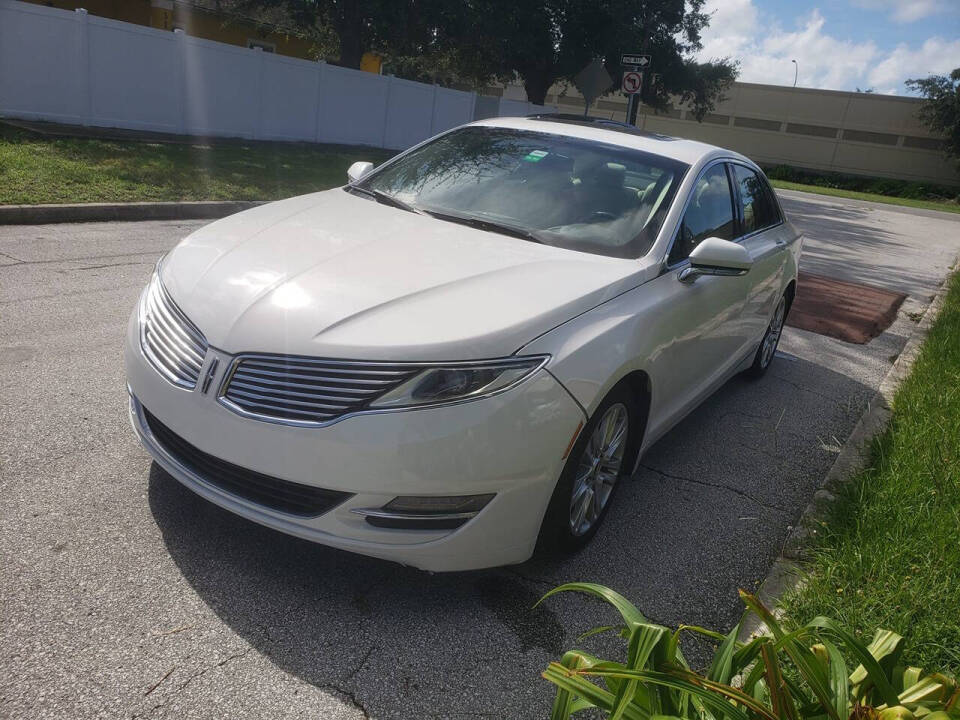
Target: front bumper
510,445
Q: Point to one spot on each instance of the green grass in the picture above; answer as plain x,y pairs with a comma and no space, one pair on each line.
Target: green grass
38,169
889,553
945,205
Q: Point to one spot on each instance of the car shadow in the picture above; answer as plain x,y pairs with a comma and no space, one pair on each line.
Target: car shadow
839,237
706,514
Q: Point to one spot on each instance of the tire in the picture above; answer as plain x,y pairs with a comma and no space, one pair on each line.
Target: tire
558,531
771,339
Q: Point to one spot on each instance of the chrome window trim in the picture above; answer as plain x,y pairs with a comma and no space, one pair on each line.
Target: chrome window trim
668,268
235,362
665,266
773,194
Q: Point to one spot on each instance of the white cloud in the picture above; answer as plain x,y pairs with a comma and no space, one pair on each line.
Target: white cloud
905,10
935,57
765,50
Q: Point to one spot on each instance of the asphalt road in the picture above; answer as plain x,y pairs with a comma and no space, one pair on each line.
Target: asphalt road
123,594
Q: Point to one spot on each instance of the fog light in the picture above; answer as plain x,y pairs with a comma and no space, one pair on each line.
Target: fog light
414,505
415,512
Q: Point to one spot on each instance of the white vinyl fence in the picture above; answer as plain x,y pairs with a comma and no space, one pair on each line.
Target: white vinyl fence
73,67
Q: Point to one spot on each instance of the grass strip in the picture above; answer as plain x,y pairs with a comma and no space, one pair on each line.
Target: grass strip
944,205
37,169
888,554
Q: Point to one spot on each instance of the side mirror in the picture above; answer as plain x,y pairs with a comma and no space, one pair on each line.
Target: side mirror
714,256
358,170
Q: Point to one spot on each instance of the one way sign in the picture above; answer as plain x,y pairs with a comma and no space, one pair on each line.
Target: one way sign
637,61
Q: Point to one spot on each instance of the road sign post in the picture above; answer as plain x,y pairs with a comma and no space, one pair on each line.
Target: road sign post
592,82
633,66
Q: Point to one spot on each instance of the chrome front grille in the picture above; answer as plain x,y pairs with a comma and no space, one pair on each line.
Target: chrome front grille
172,343
308,391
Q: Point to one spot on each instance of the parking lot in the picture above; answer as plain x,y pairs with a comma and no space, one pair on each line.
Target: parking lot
126,595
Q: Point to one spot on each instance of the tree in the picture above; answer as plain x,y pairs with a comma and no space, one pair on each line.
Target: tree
940,110
543,41
349,28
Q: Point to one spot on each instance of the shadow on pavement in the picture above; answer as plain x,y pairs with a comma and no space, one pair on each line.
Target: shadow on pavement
707,514
841,237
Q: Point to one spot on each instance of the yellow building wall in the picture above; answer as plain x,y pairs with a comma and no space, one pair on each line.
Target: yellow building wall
210,26
371,62
193,21
131,11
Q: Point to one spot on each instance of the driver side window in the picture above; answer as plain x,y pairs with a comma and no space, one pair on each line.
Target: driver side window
709,214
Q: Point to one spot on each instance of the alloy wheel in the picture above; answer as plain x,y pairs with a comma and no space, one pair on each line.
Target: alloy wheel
598,469
773,333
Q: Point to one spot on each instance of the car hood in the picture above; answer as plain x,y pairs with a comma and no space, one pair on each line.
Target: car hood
336,275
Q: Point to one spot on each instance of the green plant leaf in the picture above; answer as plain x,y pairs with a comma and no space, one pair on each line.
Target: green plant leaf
565,701
643,639
665,656
807,664
837,677
712,695
933,687
601,629
869,663
568,680
780,698
722,668
885,648
702,631
628,611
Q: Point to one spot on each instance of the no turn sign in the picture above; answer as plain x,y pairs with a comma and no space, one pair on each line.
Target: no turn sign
632,82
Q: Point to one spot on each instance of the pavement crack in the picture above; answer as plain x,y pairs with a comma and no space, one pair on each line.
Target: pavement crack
87,258
222,663
100,267
803,388
363,661
159,682
719,486
350,696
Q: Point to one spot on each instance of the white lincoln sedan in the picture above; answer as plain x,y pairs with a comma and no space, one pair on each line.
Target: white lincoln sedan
453,359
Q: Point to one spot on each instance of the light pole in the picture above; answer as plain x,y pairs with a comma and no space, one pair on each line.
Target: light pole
796,71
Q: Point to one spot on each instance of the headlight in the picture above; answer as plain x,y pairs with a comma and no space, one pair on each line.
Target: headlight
458,382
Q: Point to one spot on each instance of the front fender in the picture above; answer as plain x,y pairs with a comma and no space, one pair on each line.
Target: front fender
594,351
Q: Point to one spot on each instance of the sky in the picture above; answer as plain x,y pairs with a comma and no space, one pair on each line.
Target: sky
838,44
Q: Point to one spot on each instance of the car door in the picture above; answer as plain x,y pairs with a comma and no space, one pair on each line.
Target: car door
701,334
764,235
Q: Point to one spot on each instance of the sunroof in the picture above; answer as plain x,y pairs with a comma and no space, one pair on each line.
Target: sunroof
604,123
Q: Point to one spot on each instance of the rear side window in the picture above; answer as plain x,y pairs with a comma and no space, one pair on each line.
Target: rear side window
757,204
709,214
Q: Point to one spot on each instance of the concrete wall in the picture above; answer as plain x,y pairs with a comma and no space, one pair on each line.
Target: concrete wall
856,133
73,67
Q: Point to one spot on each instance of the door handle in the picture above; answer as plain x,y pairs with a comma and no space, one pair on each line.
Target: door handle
780,241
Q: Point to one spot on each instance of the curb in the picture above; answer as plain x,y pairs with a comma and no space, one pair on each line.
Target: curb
785,574
107,212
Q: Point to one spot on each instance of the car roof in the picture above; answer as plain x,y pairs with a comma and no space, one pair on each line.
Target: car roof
614,133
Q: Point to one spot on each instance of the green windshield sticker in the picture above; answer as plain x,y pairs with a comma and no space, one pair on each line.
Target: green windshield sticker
536,156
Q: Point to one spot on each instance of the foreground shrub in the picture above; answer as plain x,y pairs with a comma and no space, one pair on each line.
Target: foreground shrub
788,674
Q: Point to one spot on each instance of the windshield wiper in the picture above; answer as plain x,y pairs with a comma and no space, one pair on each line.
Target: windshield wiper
385,199
483,224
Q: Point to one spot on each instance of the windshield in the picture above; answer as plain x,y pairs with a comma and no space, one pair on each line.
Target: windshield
562,191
